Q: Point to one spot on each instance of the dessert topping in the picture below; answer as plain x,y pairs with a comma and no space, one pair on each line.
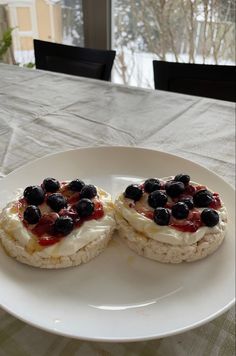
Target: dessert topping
134,192
84,207
157,199
32,214
188,201
88,191
174,189
184,178
175,202
63,225
76,185
202,198
161,216
151,184
34,195
63,208
180,210
50,185
56,201
210,217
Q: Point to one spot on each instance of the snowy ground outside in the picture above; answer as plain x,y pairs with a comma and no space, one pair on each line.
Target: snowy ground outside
140,70
24,57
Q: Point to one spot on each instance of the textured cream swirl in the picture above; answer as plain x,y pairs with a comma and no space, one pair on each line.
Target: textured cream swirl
68,245
166,234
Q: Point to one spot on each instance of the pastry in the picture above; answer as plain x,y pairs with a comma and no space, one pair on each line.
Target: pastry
57,224
171,219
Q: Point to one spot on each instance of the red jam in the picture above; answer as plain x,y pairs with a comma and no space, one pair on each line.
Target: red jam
193,221
216,204
48,240
74,198
45,225
191,224
190,190
147,213
44,228
188,227
98,211
20,205
97,214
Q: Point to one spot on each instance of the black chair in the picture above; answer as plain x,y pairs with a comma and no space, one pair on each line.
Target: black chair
84,62
212,81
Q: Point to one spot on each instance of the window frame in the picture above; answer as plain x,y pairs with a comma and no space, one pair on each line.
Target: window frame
97,23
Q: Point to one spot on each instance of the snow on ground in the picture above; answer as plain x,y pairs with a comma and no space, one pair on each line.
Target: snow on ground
140,69
24,57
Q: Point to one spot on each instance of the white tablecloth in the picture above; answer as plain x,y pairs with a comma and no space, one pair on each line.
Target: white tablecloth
43,113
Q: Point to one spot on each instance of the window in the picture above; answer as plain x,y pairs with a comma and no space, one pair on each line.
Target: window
195,31
49,20
72,22
191,31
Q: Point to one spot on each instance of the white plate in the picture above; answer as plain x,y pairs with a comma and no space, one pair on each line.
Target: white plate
118,296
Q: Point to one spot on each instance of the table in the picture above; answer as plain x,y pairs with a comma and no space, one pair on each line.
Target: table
43,113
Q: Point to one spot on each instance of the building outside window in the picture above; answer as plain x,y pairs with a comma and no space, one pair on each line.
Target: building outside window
190,31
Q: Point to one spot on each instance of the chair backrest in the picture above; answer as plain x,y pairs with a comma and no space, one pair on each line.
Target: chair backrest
212,81
84,62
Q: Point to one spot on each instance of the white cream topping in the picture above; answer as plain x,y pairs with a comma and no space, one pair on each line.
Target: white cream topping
68,245
166,234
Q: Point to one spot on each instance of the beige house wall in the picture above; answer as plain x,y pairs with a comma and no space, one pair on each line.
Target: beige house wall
31,19
44,26
26,43
57,23
24,18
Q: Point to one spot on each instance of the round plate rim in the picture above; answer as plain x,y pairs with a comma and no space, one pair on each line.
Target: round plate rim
96,148
122,339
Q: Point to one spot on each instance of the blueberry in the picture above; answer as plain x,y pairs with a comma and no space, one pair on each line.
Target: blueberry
161,216
63,225
184,178
188,202
56,201
210,217
180,210
174,189
88,191
202,198
34,195
157,199
51,185
76,185
32,214
134,192
151,184
85,207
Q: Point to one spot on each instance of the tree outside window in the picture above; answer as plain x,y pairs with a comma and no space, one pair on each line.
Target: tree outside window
190,31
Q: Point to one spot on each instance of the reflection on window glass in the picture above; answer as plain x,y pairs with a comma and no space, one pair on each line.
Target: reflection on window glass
72,22
190,31
59,21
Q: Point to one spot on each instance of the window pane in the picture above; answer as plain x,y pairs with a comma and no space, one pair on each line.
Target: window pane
190,31
72,22
51,20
